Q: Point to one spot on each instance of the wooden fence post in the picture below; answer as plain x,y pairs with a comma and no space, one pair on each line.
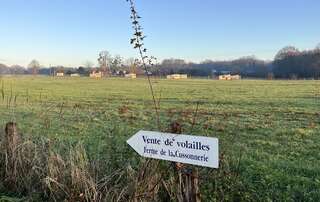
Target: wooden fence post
11,143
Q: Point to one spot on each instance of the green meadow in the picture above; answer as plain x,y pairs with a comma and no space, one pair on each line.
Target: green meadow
269,131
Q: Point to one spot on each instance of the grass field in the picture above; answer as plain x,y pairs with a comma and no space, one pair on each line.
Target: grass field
268,130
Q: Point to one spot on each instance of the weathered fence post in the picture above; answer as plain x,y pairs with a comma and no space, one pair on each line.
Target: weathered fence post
10,143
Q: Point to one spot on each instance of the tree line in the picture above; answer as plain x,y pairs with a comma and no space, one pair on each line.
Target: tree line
289,63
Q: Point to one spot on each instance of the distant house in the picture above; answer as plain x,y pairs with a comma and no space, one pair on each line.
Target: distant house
229,77
60,74
131,76
177,76
95,74
121,73
75,75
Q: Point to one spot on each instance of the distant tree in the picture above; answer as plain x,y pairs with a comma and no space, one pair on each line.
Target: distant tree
82,71
60,69
88,64
103,60
17,69
45,71
3,69
270,76
69,71
290,63
34,67
52,71
286,52
132,65
116,64
316,67
128,62
172,66
249,66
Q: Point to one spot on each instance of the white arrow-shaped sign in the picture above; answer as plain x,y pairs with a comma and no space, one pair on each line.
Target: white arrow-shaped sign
195,150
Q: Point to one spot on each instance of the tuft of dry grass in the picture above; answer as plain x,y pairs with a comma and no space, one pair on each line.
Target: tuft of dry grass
29,167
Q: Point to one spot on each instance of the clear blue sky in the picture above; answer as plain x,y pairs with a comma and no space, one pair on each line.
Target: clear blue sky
69,32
